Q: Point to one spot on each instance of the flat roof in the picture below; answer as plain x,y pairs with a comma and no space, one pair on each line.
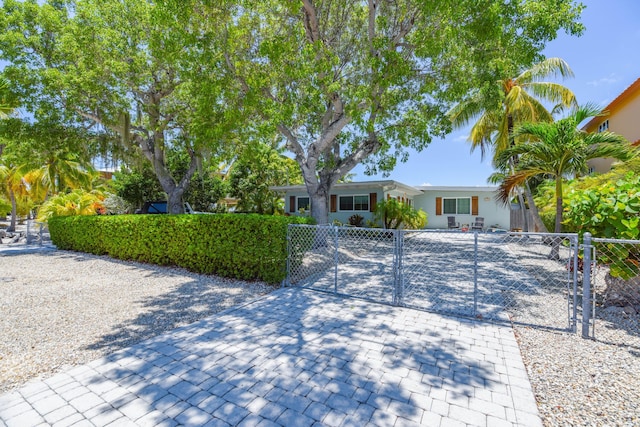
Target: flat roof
390,185
387,185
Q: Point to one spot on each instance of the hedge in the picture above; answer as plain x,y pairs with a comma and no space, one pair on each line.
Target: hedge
231,245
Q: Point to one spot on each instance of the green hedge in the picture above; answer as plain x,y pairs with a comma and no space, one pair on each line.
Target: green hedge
230,245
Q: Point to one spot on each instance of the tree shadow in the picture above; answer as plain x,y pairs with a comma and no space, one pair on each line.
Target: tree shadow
299,356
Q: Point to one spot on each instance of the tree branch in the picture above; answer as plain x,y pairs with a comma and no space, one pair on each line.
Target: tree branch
310,21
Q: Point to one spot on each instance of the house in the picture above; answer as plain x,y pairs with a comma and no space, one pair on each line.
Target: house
622,118
348,199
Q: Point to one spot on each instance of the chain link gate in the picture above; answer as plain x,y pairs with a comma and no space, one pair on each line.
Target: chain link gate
525,277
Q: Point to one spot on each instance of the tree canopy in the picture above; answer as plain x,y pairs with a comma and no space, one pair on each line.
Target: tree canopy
348,82
124,68
342,82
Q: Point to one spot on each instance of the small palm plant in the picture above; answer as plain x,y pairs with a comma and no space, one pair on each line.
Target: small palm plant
77,202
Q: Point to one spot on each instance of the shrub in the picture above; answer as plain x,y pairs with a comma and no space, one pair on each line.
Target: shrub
230,245
77,202
611,211
395,214
356,220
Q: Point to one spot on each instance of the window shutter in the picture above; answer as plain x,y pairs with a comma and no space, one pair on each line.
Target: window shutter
438,205
373,201
292,203
474,205
334,203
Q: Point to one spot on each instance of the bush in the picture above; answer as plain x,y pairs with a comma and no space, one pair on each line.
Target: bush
240,246
395,214
356,220
77,202
611,210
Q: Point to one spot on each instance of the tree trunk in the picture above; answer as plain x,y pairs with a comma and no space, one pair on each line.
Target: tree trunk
175,204
558,228
320,204
523,208
555,250
538,225
14,211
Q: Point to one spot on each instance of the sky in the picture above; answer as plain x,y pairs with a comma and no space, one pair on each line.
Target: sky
605,61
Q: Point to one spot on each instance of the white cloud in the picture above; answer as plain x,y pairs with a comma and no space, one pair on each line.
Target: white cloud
611,79
461,138
426,184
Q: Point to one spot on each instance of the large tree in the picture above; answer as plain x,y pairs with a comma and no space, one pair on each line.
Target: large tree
125,68
559,150
507,103
352,81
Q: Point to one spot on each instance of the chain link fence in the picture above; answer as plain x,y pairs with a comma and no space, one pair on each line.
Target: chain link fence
615,290
525,278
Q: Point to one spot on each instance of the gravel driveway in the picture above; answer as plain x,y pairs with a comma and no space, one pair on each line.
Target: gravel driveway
63,308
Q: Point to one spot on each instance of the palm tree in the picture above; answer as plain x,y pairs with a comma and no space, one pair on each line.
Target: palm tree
559,149
57,175
12,184
520,102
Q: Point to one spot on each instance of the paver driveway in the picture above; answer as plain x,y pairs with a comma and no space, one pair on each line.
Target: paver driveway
295,358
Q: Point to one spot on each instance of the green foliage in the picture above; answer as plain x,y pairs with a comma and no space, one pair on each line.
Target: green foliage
611,210
559,149
259,167
138,186
356,220
349,82
5,207
395,214
231,245
77,202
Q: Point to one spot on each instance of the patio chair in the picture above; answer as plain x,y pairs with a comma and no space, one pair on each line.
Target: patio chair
478,224
451,222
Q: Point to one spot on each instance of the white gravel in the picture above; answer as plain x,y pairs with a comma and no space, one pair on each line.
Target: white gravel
63,308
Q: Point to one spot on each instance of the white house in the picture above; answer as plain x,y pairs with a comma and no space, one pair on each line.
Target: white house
462,203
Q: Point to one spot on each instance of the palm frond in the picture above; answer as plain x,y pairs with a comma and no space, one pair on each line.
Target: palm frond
556,67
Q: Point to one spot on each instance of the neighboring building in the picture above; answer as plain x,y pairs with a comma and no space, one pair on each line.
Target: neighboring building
623,118
463,203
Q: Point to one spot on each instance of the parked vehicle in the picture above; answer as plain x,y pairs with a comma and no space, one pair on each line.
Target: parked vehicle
160,207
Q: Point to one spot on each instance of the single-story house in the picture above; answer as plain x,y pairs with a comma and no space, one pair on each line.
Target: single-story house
439,202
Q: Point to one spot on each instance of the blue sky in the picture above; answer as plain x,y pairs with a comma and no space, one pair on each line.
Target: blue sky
605,61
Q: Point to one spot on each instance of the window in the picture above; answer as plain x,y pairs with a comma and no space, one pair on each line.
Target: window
354,203
458,206
304,203
603,126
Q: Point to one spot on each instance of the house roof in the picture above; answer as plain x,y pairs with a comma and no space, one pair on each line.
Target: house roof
487,188
614,105
389,185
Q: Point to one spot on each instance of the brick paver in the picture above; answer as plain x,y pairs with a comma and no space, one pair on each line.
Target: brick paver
296,357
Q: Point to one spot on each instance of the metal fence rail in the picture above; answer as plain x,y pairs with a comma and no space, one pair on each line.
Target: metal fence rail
522,277
615,290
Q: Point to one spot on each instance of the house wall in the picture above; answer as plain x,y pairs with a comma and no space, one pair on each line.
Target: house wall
622,116
493,212
340,215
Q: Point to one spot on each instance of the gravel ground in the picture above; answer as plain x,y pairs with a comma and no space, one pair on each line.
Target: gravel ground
63,308
60,308
581,382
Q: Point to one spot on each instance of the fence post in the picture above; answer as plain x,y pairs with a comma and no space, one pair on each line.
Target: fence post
285,281
335,259
574,316
475,273
586,285
398,285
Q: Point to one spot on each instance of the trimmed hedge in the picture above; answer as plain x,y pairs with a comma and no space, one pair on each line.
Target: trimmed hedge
230,245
